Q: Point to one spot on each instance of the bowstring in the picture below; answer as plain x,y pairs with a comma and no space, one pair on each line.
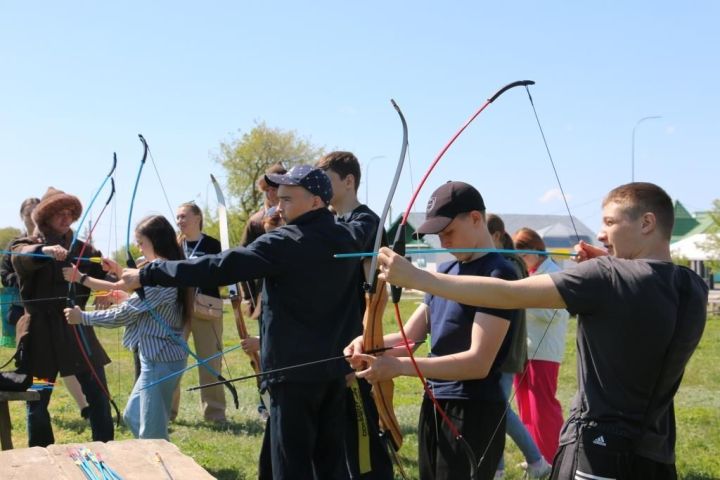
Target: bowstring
552,162
162,186
572,221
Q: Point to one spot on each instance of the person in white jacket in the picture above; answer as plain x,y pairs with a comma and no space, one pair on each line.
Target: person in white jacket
536,390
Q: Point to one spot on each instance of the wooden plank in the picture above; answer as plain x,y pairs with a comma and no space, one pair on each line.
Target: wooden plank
5,427
5,421
132,459
27,396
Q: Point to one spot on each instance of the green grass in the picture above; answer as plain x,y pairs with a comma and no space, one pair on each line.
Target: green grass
231,452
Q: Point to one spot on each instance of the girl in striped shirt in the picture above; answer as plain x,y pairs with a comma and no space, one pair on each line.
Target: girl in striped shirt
152,326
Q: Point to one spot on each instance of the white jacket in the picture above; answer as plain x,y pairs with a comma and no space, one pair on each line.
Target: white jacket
552,346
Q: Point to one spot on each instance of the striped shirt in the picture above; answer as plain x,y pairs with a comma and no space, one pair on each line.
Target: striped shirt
143,329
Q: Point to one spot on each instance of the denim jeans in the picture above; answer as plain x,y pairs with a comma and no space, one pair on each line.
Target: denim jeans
147,412
40,433
515,428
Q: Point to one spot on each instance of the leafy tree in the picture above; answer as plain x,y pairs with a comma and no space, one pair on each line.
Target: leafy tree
7,234
712,244
246,159
120,256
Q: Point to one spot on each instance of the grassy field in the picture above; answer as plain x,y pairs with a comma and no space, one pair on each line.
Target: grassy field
231,452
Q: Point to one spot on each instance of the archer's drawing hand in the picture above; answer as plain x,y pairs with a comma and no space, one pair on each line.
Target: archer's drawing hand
585,251
395,269
111,266
107,299
71,274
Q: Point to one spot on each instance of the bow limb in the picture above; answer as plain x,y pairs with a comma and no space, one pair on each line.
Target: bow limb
399,247
375,301
173,336
109,176
382,392
234,290
130,260
78,331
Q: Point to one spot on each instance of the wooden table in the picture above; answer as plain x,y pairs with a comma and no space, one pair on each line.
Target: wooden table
5,422
131,459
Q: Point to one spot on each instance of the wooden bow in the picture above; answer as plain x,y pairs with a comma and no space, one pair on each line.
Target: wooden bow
375,301
373,340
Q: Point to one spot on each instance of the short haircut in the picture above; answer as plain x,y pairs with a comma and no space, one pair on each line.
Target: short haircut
638,198
342,163
528,239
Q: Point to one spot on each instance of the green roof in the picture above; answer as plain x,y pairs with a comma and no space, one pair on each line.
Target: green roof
684,221
687,224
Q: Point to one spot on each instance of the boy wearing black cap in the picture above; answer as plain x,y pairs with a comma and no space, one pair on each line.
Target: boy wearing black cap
467,348
367,457
640,318
305,317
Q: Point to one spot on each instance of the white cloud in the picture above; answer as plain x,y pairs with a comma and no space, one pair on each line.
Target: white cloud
552,195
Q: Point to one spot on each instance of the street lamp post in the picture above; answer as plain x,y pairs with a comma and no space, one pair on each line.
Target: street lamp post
367,177
651,117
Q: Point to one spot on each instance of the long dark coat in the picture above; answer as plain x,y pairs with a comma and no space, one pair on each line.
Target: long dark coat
51,343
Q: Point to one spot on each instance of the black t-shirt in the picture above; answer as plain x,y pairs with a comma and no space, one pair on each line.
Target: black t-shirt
451,326
207,245
639,322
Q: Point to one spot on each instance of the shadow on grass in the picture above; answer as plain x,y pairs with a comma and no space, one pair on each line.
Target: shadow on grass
227,474
76,425
251,427
409,430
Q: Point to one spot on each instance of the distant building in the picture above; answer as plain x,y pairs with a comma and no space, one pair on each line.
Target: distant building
690,236
687,224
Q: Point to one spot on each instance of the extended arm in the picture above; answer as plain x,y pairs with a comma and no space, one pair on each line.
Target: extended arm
487,335
538,291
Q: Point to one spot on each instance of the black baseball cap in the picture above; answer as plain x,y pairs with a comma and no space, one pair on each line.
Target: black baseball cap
312,179
447,202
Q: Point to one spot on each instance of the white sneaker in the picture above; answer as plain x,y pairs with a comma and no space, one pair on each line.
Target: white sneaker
499,474
539,469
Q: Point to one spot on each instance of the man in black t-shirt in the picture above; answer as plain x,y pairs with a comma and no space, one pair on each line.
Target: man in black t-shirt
468,345
640,318
366,457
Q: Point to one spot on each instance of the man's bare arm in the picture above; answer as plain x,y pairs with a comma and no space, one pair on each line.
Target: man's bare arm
532,292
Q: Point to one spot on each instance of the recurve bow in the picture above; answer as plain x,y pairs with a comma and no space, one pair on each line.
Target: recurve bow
234,290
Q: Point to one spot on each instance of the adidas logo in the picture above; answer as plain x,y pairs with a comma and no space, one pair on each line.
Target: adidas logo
600,441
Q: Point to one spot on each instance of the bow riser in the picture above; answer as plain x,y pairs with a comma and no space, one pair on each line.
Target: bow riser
373,340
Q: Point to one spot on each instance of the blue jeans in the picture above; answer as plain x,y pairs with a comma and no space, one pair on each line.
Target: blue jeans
147,412
40,433
515,428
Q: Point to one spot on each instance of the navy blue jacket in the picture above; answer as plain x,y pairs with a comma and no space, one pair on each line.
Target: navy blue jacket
309,310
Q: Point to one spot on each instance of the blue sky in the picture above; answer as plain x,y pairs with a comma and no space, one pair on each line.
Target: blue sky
80,80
